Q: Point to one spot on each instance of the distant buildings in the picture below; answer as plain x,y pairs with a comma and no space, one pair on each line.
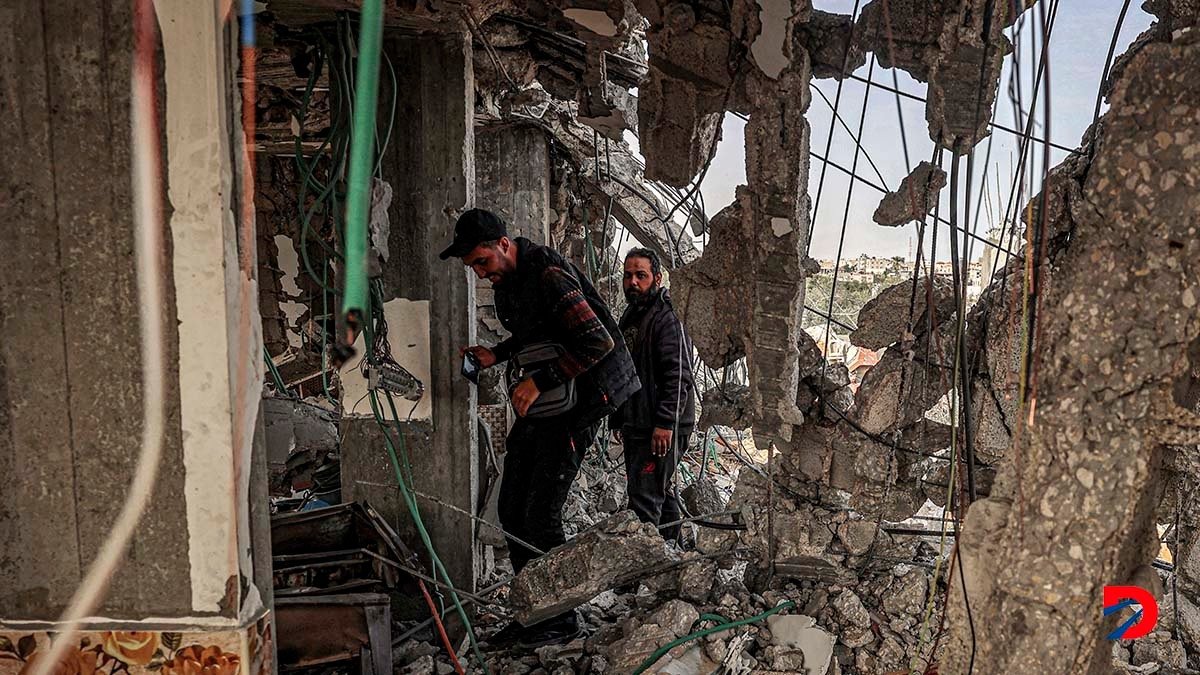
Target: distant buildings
887,271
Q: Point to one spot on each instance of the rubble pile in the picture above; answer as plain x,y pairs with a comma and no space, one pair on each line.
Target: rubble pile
599,489
872,624
303,460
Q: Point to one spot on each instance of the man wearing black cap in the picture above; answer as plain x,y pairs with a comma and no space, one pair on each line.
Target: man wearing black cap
540,298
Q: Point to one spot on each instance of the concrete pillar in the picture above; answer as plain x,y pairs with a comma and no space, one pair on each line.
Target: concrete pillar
429,303
198,570
512,179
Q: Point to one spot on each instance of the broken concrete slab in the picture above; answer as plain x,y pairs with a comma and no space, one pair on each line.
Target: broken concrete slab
717,313
897,391
800,632
676,616
683,100
726,406
914,199
884,320
619,549
827,37
942,43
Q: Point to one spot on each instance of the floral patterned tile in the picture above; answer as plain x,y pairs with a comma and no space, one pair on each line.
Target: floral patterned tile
146,652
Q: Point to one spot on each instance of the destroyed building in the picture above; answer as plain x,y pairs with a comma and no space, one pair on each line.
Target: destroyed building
315,491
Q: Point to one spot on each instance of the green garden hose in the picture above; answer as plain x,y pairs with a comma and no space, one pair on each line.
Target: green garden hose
662,651
362,146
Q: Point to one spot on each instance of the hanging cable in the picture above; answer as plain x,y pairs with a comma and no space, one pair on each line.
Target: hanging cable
358,188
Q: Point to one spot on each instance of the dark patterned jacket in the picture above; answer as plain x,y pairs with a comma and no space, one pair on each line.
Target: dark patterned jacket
548,300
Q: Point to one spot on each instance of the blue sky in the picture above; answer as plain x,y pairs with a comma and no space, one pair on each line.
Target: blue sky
1078,46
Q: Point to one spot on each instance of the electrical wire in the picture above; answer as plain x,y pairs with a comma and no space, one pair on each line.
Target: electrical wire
837,99
151,273
441,629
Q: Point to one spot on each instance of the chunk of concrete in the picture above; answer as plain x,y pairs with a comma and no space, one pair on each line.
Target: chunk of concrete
916,196
826,35
676,616
726,406
883,321
799,632
618,550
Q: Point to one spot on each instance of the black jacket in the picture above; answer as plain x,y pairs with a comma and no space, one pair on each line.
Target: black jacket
662,353
548,300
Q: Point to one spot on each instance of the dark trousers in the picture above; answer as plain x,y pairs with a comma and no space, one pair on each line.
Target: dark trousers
540,463
653,494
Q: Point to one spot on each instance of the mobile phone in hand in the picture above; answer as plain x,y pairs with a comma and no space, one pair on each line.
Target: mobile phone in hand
470,367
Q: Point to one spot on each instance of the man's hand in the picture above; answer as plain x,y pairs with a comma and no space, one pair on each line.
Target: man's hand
660,442
617,436
485,356
524,396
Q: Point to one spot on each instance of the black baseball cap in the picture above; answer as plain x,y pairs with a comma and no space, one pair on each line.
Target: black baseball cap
472,229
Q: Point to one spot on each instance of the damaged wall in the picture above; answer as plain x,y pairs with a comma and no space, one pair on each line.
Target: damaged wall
1074,511
197,557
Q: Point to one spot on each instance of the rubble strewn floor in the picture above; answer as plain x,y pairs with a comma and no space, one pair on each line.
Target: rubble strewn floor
834,501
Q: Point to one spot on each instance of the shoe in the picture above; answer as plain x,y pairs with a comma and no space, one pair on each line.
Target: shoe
558,629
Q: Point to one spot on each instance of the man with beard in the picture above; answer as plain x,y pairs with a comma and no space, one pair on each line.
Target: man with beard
542,298
657,421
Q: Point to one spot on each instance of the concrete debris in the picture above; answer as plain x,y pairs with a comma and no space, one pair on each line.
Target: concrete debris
1112,350
696,581
857,536
717,312
703,496
914,199
1119,236
676,616
683,100
942,43
634,205
799,633
855,619
883,321
803,538
616,551
726,406
1158,647
626,654
608,109
827,38
897,391
596,494
301,439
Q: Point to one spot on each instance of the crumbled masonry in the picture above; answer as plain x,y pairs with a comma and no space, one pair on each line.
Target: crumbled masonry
616,551
916,196
835,478
883,321
1112,352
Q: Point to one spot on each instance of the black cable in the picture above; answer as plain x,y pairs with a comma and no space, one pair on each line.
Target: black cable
837,99
853,137
845,213
1112,48
1027,135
